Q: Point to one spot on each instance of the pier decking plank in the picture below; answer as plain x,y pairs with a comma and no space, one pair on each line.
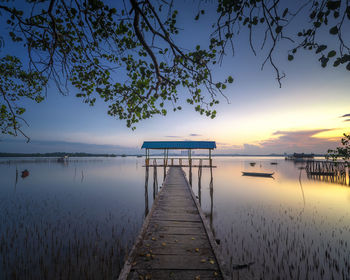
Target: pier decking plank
175,241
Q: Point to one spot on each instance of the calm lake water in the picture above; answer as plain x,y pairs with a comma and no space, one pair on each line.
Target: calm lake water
79,219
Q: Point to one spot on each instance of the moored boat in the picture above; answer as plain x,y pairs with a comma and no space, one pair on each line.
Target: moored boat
257,174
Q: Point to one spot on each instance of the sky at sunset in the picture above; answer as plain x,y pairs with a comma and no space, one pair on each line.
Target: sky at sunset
308,114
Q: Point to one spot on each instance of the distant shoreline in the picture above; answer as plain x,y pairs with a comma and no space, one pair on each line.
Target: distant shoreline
58,154
62,154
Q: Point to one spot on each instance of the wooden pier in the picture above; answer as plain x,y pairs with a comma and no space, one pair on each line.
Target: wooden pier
328,171
175,241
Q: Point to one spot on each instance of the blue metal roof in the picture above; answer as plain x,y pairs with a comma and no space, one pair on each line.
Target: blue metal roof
178,145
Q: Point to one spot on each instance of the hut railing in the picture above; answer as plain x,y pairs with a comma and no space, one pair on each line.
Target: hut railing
173,161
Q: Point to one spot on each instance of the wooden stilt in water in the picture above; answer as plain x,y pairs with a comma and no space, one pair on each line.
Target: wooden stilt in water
200,182
190,175
155,180
146,190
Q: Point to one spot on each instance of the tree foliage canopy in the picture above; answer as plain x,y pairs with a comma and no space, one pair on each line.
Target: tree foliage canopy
128,55
342,152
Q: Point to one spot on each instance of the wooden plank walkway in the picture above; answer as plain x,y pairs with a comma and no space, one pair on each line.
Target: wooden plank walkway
175,241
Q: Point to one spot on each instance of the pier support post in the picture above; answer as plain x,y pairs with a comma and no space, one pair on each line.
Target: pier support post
146,191
155,180
190,167
200,182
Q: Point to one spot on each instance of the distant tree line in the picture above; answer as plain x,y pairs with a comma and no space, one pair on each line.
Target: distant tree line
58,154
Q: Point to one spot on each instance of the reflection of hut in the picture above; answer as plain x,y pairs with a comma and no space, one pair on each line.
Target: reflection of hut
63,159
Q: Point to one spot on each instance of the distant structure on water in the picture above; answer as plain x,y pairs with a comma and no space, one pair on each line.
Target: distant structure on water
300,157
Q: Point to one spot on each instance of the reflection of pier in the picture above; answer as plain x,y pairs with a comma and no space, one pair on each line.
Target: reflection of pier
176,241
328,171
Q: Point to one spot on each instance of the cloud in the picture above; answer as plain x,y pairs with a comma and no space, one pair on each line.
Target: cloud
194,135
298,141
347,120
253,149
223,145
284,142
300,133
172,136
346,115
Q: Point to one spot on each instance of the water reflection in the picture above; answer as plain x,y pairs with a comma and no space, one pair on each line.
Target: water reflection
82,219
268,231
53,227
211,191
339,179
302,192
16,178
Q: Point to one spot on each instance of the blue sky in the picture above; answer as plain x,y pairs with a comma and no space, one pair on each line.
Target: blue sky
303,115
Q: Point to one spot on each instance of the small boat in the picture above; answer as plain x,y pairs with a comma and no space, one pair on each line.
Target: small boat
252,163
25,173
273,163
257,174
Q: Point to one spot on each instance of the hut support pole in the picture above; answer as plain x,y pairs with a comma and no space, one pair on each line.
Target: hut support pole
210,160
200,182
190,167
147,158
146,190
165,162
155,179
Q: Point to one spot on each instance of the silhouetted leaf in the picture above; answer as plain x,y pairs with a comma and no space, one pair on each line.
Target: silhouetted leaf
332,5
317,24
278,29
348,66
336,62
321,48
332,53
334,30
